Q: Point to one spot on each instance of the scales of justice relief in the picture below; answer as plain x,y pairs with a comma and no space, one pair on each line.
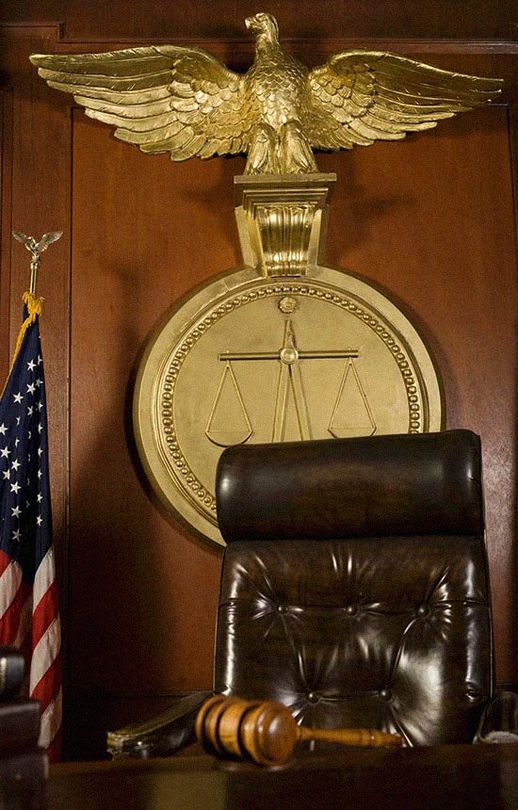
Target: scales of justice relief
284,348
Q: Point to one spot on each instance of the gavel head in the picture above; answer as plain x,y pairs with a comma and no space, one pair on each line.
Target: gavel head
259,730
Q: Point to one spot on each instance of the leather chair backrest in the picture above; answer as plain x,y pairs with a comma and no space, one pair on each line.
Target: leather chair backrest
354,586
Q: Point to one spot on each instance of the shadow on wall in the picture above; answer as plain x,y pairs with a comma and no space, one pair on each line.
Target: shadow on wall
141,592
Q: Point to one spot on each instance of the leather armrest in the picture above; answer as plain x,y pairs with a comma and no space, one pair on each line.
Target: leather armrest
499,722
163,734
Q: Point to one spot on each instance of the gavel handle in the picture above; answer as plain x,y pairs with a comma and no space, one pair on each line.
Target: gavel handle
364,737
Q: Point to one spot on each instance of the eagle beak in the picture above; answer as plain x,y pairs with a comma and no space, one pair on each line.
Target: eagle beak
252,23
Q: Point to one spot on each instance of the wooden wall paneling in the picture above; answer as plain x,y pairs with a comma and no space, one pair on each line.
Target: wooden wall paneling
512,606
417,218
132,19
36,199
6,105
145,232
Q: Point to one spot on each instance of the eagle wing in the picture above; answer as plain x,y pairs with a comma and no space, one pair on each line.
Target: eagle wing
162,98
358,97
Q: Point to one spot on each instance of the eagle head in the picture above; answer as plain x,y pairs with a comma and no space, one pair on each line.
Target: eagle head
263,25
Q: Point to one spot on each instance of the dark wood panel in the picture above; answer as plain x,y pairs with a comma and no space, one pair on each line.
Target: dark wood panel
221,18
438,776
145,232
6,129
37,199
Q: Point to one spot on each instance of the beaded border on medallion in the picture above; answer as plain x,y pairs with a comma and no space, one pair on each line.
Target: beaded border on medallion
199,495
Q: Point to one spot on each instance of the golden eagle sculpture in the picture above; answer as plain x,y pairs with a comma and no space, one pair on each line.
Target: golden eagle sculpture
181,100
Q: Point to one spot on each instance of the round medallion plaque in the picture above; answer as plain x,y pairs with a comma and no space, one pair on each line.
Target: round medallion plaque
249,359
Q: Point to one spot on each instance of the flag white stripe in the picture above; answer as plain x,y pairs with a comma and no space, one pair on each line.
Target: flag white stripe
10,581
51,720
44,577
45,652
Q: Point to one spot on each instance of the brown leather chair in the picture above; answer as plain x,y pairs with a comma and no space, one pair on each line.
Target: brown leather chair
354,588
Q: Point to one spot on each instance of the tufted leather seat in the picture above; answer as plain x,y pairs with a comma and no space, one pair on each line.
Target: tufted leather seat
355,584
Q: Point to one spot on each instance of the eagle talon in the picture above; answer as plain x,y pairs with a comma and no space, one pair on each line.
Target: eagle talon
296,154
263,155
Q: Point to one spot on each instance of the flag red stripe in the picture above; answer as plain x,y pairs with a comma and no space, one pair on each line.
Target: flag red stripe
5,560
44,614
10,621
48,686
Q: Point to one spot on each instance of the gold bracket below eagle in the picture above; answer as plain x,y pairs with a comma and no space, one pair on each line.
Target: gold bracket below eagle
182,100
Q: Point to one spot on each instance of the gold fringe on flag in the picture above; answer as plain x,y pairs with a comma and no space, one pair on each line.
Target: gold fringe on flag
34,307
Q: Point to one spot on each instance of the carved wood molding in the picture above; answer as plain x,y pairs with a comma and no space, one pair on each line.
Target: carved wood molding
244,45
6,113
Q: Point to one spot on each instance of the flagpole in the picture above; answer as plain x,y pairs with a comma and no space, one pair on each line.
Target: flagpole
35,266
33,304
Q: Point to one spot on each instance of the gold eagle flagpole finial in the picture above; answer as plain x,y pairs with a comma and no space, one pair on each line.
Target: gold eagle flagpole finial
36,248
182,100
32,303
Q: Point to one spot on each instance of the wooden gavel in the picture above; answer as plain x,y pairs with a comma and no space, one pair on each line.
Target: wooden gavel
267,733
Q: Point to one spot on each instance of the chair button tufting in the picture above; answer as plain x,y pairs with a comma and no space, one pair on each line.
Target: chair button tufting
282,609
423,610
385,694
351,610
312,697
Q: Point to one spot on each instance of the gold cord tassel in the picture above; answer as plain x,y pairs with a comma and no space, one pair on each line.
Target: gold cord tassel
34,308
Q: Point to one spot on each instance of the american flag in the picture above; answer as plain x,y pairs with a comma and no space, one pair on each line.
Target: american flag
29,615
